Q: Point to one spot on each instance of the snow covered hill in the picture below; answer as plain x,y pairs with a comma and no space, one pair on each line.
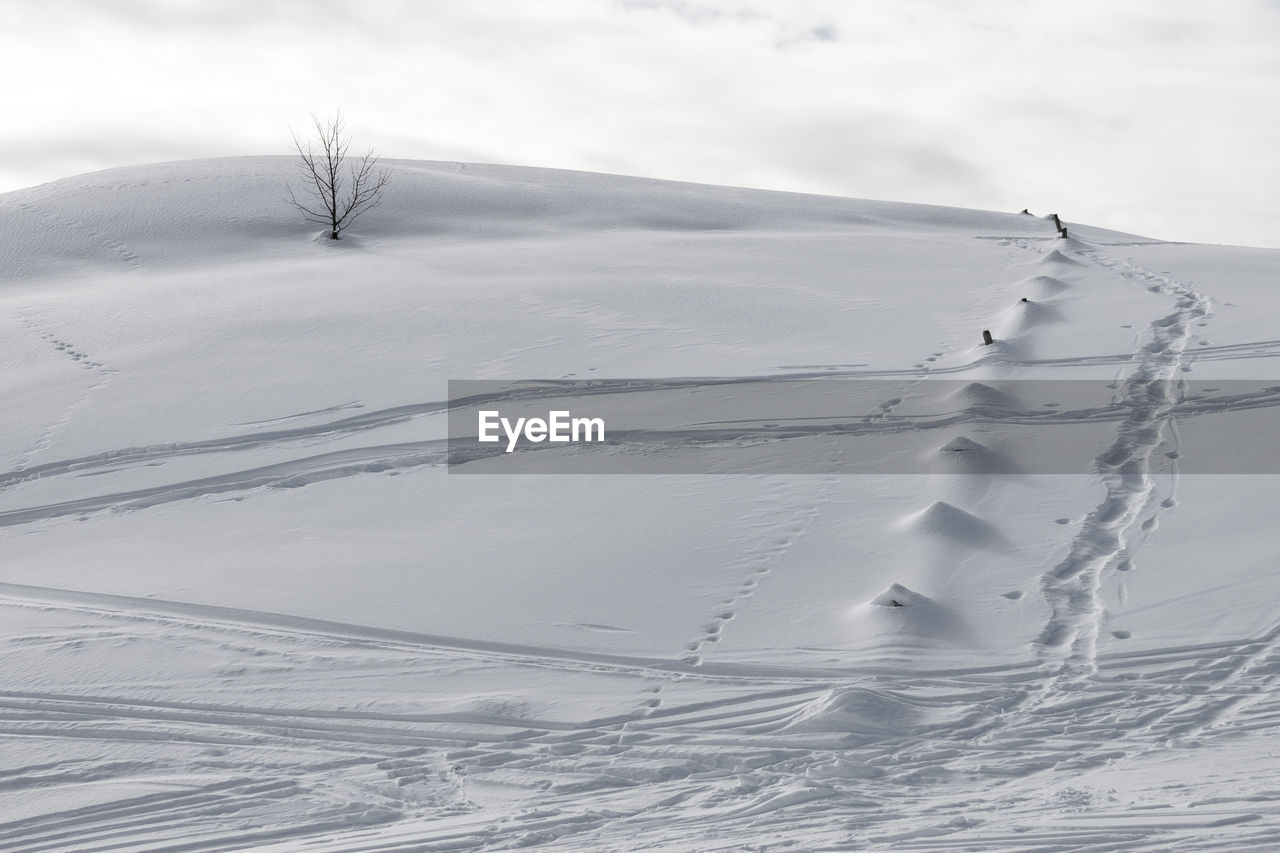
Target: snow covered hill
247,605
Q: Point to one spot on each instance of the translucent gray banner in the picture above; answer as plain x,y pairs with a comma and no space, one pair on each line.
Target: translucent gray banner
860,426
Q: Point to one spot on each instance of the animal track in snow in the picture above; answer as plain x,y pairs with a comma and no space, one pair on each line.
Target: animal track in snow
118,251
65,348
759,565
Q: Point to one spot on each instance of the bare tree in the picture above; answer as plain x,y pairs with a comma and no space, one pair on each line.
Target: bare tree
335,192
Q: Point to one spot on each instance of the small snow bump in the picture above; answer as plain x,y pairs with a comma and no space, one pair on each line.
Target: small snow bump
1057,257
960,444
897,595
950,522
977,394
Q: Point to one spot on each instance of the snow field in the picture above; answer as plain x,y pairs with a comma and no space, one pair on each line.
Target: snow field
247,606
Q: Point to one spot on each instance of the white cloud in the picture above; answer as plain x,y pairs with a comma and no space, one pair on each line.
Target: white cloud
1153,117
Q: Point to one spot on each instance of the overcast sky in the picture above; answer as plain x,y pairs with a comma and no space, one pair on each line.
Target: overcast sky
1160,117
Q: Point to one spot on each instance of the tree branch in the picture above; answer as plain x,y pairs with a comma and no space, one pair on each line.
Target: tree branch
333,201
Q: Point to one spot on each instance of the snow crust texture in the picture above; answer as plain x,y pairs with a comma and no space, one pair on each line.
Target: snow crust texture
246,605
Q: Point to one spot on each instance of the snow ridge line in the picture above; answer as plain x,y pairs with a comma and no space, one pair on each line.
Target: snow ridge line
1150,394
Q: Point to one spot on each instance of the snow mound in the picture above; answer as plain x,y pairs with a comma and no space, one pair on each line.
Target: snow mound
949,522
1055,256
858,710
862,713
961,444
963,455
982,396
898,595
1044,285
1022,316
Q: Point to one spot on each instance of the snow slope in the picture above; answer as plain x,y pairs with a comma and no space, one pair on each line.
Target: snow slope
246,606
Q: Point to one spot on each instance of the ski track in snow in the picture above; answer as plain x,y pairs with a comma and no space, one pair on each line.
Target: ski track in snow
296,471
733,770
